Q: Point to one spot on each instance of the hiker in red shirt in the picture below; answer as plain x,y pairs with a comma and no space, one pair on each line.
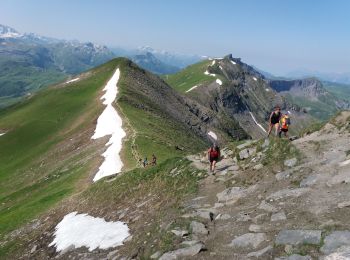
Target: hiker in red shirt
213,157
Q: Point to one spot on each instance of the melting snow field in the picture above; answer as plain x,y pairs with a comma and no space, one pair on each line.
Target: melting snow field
84,230
72,80
234,63
2,134
110,123
192,88
213,135
219,81
259,125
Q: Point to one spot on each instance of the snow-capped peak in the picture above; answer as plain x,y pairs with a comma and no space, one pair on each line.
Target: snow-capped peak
8,32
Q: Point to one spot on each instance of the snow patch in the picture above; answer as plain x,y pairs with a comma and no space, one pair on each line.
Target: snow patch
213,63
213,135
207,73
219,81
2,134
110,123
234,63
256,122
192,88
255,78
80,230
221,67
72,80
268,90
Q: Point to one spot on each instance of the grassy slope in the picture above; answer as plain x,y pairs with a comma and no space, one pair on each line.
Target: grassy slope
190,76
155,131
35,127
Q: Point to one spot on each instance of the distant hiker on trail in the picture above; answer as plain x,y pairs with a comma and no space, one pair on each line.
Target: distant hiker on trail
274,120
213,157
154,160
284,125
145,162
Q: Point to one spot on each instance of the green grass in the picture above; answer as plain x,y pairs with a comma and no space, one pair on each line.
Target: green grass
190,76
339,90
34,128
167,186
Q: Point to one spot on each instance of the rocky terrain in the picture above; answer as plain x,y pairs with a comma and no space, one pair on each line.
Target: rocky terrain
253,210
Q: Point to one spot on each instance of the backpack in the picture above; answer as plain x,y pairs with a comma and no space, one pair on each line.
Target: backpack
285,122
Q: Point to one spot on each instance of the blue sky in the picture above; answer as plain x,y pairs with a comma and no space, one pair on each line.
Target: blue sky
276,35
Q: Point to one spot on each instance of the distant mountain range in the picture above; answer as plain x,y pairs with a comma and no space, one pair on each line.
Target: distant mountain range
343,78
29,62
149,62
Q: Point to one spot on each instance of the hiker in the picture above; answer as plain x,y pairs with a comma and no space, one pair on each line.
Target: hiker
213,156
284,125
154,160
145,162
274,120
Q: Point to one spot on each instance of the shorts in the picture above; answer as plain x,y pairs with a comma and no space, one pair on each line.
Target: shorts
212,159
284,130
274,121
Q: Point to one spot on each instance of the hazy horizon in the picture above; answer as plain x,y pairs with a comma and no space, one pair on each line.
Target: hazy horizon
276,36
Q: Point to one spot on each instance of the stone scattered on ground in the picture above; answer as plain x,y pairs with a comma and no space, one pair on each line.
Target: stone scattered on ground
295,257
285,193
246,153
198,228
224,216
258,167
261,252
255,228
335,240
183,252
342,253
267,207
249,240
179,233
290,162
344,204
309,181
280,216
298,237
156,255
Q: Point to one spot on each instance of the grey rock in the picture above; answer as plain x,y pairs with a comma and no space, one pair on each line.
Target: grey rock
342,253
267,207
309,181
156,255
206,213
278,216
335,240
281,194
183,252
259,219
283,175
223,217
198,228
113,253
258,167
218,205
249,240
344,204
254,228
246,153
297,237
233,194
179,233
295,257
189,243
291,162
233,168
33,249
260,252
243,217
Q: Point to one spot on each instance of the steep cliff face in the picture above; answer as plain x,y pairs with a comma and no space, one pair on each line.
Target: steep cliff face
310,94
232,88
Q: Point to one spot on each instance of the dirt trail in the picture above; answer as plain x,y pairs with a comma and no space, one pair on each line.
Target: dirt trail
253,219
